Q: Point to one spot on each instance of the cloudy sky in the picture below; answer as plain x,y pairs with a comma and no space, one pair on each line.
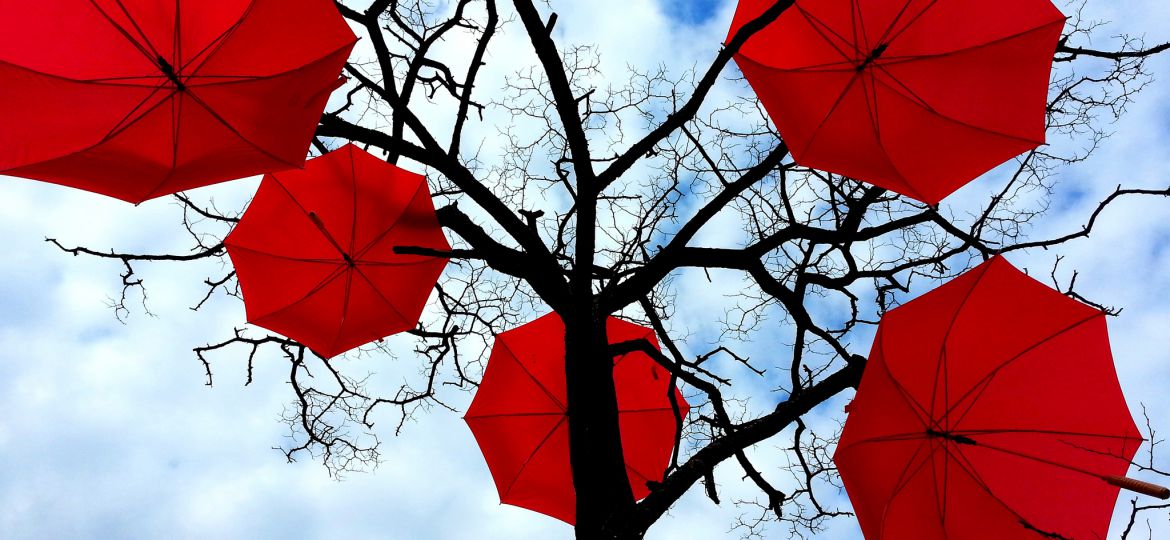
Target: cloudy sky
108,431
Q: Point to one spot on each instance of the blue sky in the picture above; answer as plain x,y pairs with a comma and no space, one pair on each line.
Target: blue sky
692,11
109,432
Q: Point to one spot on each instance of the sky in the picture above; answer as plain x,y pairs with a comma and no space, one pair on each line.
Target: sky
109,432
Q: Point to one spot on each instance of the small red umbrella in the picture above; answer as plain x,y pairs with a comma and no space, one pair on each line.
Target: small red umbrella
990,408
314,252
136,99
518,415
916,96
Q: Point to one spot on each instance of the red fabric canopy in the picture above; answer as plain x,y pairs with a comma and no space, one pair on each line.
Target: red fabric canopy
990,408
916,96
518,415
314,253
136,99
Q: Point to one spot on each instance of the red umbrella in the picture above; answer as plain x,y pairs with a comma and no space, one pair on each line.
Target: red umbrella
314,253
136,99
990,408
916,96
518,415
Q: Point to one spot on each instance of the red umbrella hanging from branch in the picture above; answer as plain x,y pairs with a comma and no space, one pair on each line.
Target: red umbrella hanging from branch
518,415
990,408
916,96
136,99
314,252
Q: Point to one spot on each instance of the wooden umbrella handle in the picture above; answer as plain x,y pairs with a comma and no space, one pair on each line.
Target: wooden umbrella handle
1137,486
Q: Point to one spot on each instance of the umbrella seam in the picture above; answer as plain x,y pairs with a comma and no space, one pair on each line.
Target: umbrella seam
871,106
516,358
924,105
896,60
336,273
234,245
986,381
944,345
242,79
359,253
524,466
216,44
125,33
230,127
385,300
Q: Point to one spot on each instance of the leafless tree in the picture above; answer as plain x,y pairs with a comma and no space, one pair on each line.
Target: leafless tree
592,206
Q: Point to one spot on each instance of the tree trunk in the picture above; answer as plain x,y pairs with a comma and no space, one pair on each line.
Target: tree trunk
595,450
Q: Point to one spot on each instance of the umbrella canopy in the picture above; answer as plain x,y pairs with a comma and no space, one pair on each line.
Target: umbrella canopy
518,415
989,408
314,252
916,96
136,99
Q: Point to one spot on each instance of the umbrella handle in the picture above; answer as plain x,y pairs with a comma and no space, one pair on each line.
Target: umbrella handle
1137,486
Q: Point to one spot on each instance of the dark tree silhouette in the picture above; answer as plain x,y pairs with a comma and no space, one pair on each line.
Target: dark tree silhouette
594,206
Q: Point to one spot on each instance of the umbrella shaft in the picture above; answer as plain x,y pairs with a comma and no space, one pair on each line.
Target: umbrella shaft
1130,484
169,71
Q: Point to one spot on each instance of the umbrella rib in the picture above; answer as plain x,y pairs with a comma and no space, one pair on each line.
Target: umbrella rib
285,257
394,224
176,122
820,127
997,431
855,20
353,183
239,79
381,264
842,66
987,379
524,368
895,60
509,415
887,38
380,295
859,28
915,407
321,285
821,28
893,437
236,132
130,117
914,98
940,498
344,310
122,125
126,34
1044,461
947,337
141,34
216,44
304,211
99,81
528,460
871,105
177,47
969,468
904,479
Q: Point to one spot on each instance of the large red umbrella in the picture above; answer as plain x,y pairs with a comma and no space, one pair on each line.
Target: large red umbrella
916,96
990,408
518,415
314,252
136,99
